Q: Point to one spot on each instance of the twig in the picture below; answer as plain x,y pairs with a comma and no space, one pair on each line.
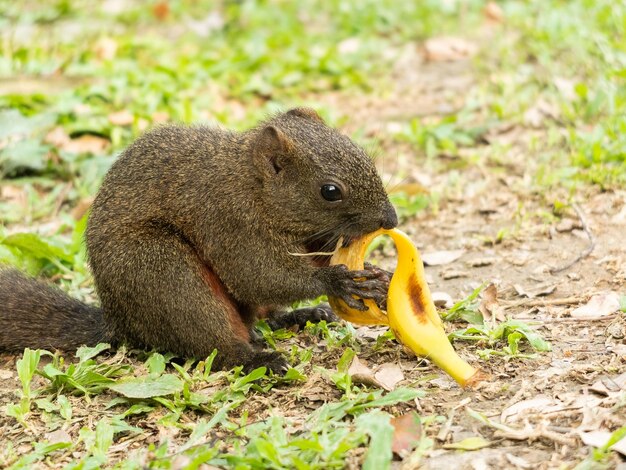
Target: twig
587,251
567,320
544,302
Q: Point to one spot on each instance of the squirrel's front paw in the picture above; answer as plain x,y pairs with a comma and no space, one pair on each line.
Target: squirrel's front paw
370,283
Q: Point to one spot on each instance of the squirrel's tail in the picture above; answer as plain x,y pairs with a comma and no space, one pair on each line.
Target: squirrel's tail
35,315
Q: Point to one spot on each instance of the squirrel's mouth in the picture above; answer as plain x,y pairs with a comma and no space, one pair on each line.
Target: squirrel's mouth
318,249
321,249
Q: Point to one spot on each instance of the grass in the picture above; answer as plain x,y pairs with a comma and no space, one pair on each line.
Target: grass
80,80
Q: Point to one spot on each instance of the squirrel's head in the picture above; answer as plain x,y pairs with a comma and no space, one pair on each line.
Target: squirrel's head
318,183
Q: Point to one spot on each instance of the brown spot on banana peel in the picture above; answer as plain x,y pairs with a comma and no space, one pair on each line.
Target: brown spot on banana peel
416,298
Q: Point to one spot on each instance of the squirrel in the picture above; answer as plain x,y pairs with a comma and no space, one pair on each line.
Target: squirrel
195,233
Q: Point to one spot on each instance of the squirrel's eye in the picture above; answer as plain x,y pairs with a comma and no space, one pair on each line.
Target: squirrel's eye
331,192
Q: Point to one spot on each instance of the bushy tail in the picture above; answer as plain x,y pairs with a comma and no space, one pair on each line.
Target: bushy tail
35,315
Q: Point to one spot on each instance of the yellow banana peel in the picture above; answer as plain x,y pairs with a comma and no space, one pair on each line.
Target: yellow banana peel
411,312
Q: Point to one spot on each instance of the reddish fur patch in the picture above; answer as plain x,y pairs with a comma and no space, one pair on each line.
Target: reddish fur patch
219,291
415,294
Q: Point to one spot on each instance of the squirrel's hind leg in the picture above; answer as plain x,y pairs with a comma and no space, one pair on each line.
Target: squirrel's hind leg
157,293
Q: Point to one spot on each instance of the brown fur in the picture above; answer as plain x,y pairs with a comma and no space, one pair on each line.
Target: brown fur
182,199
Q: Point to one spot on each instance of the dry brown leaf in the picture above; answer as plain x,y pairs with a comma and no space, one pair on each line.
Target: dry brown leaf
448,49
59,435
161,10
437,258
106,48
567,225
81,208
57,137
87,143
442,299
362,374
407,433
453,274
532,293
160,116
538,404
539,112
599,305
370,332
388,375
14,194
480,262
489,305
601,438
608,385
121,118
493,12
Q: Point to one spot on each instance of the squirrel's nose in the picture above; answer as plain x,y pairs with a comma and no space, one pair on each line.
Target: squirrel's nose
390,219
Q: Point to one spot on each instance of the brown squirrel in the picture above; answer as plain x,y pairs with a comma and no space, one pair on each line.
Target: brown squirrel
194,234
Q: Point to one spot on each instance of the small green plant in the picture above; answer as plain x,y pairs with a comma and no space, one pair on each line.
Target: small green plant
26,368
510,331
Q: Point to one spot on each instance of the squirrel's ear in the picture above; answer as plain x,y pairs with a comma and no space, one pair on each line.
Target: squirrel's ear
306,113
272,145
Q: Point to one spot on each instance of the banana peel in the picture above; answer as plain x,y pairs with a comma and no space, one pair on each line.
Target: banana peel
411,312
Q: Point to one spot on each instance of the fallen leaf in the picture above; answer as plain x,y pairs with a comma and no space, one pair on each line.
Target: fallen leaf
448,49
349,46
6,374
214,21
82,207
471,443
442,299
57,436
106,48
493,12
532,293
370,332
599,305
362,374
538,404
14,194
453,274
567,225
407,433
517,461
121,118
489,305
539,112
86,144
161,10
601,438
57,137
437,258
566,87
480,262
388,375
160,116
607,385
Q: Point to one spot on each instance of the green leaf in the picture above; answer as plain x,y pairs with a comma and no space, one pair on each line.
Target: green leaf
346,359
243,383
378,426
148,387
85,353
37,247
156,364
399,395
